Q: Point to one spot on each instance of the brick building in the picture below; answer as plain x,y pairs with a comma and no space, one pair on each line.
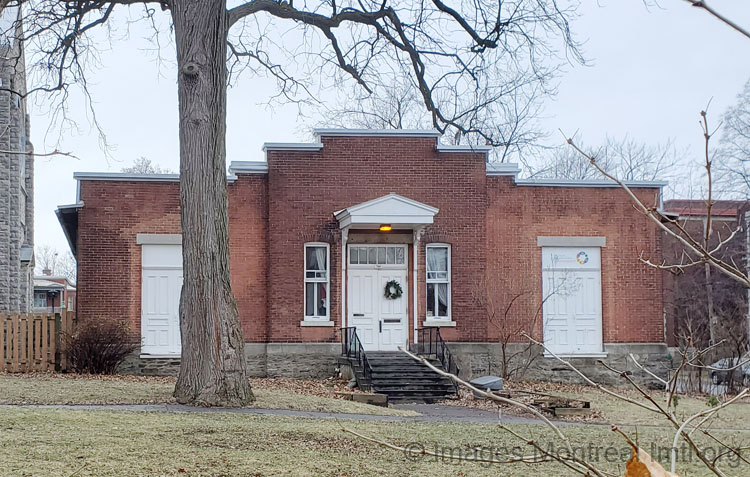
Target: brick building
686,297
320,231
16,173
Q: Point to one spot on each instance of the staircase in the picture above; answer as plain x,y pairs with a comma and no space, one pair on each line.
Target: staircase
395,374
404,379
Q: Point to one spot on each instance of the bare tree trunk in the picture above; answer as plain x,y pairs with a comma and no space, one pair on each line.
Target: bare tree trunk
212,369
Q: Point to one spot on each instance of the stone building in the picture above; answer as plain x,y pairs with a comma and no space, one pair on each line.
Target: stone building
321,234
16,174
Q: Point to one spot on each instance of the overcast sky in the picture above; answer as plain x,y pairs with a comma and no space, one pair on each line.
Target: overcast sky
651,71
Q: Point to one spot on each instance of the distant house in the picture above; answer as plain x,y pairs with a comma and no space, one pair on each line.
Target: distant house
390,232
53,294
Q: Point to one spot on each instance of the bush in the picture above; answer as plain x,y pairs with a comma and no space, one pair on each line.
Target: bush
100,347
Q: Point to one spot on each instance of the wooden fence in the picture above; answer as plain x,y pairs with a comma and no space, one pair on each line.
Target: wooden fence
34,342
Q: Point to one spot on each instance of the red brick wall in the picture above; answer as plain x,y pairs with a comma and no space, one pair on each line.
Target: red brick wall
109,259
631,291
248,238
306,188
491,224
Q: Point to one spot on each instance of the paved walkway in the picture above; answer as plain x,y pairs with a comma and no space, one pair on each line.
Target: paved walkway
429,413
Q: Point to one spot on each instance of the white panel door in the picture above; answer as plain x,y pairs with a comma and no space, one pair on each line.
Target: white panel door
160,299
392,312
363,306
381,323
572,310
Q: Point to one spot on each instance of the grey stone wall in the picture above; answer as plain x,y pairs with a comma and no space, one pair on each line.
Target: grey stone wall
273,360
16,183
478,359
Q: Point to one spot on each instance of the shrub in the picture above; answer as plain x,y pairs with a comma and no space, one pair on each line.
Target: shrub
98,347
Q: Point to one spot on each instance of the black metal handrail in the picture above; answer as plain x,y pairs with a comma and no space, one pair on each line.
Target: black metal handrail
351,347
430,343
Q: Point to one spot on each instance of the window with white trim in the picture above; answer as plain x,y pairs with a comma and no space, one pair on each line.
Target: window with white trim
438,281
40,299
317,281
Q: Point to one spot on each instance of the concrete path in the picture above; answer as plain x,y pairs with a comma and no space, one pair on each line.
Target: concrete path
429,412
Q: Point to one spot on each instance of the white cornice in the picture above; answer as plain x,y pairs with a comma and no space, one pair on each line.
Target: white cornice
502,169
463,148
588,183
128,177
318,132
292,146
125,176
248,167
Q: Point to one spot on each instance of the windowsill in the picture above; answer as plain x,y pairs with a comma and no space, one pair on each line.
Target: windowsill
314,323
438,323
601,354
160,356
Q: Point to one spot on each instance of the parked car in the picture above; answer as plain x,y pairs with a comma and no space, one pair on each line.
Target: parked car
739,374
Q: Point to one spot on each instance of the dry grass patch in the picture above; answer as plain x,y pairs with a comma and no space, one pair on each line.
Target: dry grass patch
53,442
300,395
609,409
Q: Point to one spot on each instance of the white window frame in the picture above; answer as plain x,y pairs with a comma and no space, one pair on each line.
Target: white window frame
307,280
438,280
39,294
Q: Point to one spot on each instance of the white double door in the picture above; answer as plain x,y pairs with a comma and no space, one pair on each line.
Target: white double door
381,322
572,308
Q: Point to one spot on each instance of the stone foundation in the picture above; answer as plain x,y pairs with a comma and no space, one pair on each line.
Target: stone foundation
478,359
288,360
320,360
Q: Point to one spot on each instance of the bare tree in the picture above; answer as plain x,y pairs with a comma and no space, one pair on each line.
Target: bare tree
45,257
144,165
626,158
59,264
509,125
734,149
463,61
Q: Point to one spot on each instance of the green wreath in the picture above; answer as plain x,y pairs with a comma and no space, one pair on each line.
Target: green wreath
393,290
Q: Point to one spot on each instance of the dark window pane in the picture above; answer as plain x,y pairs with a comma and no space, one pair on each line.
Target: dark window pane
381,255
430,299
442,299
322,299
353,255
310,299
372,255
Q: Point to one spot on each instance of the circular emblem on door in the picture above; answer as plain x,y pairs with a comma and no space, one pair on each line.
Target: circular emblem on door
582,258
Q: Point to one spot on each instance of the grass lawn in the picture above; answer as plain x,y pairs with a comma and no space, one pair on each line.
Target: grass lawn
59,389
616,411
57,442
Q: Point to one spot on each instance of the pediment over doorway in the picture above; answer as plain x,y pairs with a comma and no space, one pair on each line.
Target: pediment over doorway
392,209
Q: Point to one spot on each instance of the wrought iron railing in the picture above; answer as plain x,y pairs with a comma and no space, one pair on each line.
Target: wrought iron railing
351,347
430,343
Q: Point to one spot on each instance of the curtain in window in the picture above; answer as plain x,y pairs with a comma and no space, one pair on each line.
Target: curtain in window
320,257
437,259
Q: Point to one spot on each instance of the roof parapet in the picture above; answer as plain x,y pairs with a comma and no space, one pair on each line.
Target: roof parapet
339,132
248,167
